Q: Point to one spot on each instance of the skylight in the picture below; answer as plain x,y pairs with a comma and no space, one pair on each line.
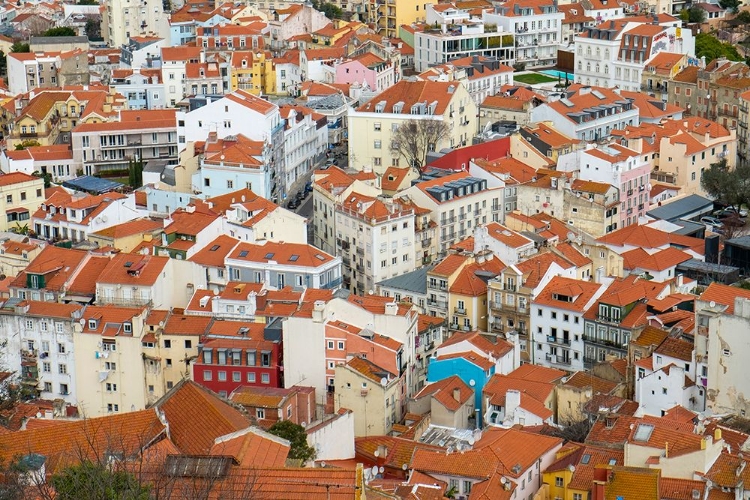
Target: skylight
269,255
643,432
243,253
128,264
294,258
585,459
319,257
612,461
213,248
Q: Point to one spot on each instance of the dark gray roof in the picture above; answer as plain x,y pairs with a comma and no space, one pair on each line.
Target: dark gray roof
688,227
93,185
740,241
707,267
681,208
415,281
56,40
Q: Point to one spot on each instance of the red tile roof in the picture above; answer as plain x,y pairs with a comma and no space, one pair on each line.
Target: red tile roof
724,294
410,93
580,292
197,417
128,269
444,392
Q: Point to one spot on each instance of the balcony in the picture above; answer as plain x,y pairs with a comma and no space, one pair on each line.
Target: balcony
346,261
459,310
28,134
604,342
332,284
558,340
438,286
360,268
438,304
426,260
360,251
426,242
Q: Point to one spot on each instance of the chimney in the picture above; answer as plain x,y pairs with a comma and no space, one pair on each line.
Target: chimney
717,434
512,400
457,394
318,309
391,309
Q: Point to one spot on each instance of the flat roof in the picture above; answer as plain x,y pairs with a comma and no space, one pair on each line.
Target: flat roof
707,267
92,184
414,281
681,208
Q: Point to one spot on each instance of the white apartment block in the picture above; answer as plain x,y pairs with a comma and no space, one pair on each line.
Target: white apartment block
459,35
537,27
123,19
613,54
376,241
458,203
305,141
41,349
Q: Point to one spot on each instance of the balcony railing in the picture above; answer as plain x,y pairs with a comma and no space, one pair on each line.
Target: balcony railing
558,340
442,304
460,310
332,284
604,342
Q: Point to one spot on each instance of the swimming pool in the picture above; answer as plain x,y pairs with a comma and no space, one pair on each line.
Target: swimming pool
557,73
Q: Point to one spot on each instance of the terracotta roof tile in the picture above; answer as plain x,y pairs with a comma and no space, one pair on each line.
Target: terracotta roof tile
583,380
444,392
580,292
470,357
197,417
724,294
144,270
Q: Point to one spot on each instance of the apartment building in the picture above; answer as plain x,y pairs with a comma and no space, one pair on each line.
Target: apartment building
331,187
376,239
111,368
305,143
378,74
144,135
681,150
467,295
34,70
237,354
453,32
20,195
439,280
41,348
537,27
173,66
458,203
614,53
261,122
142,87
121,20
294,20
375,122
253,71
721,315
387,17
558,313
482,76
624,168
711,92
55,160
587,113
281,264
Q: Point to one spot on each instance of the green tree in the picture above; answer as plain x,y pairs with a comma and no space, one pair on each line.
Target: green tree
135,173
26,144
330,10
297,438
743,16
20,47
93,29
708,46
60,31
693,15
46,176
91,481
88,2
730,5
728,185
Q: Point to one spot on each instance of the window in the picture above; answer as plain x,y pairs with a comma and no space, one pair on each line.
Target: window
62,369
188,344
265,378
111,387
167,344
340,346
46,367
222,376
260,413
48,387
236,377
61,348
251,358
558,482
64,389
207,375
113,407
110,365
251,377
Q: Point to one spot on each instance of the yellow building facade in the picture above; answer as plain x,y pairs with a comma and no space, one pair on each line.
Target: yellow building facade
253,72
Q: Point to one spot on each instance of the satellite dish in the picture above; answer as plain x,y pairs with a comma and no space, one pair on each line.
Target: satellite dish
216,292
381,469
374,470
303,424
712,304
404,466
572,468
471,440
323,464
571,235
472,382
377,453
39,415
504,480
370,292
82,321
383,381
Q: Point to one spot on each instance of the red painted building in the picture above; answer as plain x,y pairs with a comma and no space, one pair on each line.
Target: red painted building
237,354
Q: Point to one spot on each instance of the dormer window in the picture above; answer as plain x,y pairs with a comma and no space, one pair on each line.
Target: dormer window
92,324
127,327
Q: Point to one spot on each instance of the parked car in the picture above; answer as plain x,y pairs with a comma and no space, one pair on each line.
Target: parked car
731,212
330,162
292,203
308,187
712,223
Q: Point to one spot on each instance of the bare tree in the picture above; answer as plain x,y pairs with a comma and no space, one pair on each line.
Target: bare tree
415,138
